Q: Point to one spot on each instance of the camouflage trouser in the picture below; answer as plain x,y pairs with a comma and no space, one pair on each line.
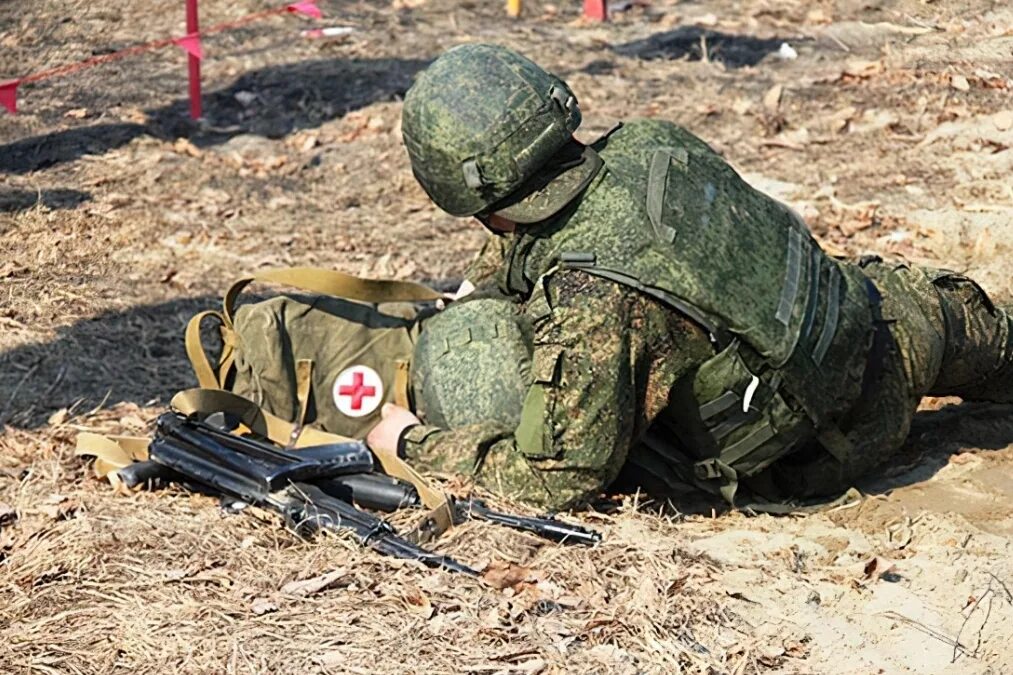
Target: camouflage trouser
945,338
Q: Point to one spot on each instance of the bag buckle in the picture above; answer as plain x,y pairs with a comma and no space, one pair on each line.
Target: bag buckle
707,469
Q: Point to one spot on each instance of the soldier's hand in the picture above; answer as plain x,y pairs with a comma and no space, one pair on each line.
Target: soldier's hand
393,421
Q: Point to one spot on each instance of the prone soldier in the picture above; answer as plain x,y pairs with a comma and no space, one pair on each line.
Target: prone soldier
685,330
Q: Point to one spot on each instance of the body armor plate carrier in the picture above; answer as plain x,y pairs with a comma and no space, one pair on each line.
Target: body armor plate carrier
791,326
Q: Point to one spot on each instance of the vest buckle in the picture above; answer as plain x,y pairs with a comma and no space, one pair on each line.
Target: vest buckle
707,469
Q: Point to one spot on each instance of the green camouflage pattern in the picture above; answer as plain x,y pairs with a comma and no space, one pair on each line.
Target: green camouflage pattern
698,253
480,122
472,364
625,361
946,338
604,361
678,223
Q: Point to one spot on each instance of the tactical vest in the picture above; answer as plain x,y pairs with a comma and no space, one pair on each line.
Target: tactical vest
790,326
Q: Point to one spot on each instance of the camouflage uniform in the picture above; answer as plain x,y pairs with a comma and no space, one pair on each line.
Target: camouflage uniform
689,333
610,359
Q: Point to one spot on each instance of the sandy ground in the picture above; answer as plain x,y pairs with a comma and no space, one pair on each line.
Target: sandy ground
890,131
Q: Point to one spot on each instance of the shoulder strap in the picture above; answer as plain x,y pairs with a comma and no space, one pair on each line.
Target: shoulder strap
331,282
207,376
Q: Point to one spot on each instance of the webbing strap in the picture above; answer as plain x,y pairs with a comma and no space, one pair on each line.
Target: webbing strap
191,401
741,449
202,368
815,269
657,184
401,381
719,405
792,277
303,383
832,316
332,282
111,453
849,497
586,262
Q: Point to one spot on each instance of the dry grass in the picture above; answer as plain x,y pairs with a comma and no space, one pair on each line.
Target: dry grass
164,582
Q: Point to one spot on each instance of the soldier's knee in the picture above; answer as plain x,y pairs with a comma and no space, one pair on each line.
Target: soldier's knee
954,287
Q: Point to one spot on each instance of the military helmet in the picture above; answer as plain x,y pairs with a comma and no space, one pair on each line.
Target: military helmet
487,130
472,363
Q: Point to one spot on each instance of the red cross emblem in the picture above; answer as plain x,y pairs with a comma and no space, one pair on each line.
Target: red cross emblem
358,391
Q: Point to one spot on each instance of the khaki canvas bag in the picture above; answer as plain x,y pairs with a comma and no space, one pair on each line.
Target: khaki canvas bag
330,359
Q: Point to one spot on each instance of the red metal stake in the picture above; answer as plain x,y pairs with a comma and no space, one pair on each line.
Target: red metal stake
192,27
596,10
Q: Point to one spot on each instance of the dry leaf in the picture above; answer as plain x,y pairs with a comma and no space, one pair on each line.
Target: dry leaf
770,655
741,106
77,113
862,69
245,98
309,143
65,511
59,507
333,659
1003,121
7,540
214,195
306,587
183,146
772,99
133,421
11,269
500,574
135,115
876,567
840,120
417,601
51,574
263,606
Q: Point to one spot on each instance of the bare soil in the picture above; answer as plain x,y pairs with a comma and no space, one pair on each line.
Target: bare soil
890,130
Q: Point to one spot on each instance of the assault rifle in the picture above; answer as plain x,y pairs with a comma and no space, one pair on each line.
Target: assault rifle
312,488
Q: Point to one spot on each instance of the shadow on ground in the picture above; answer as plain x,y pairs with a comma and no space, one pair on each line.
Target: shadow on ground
696,44
134,356
937,435
13,200
272,102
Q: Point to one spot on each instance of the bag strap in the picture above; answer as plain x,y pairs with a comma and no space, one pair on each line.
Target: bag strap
402,379
207,377
112,453
332,282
